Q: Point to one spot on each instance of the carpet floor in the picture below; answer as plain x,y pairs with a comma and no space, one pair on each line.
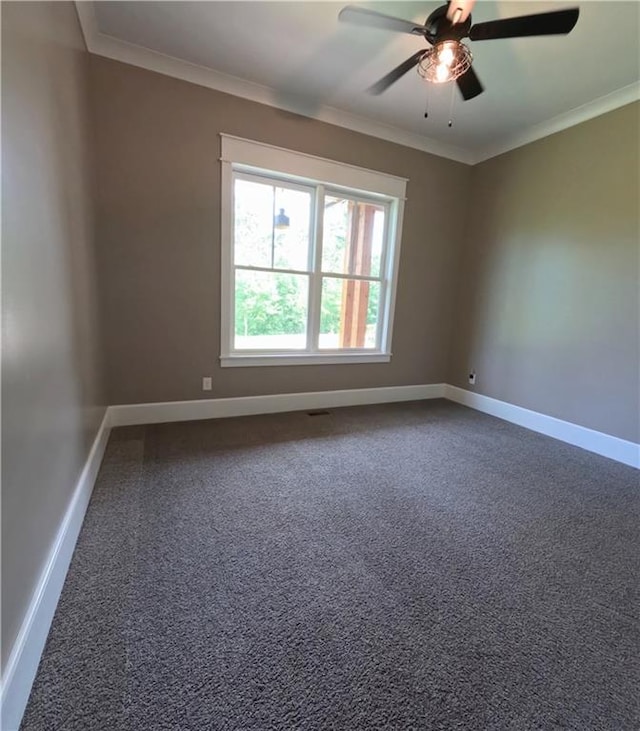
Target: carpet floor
404,566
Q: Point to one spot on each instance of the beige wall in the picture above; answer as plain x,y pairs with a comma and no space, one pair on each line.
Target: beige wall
159,240
50,392
548,311
545,285
539,296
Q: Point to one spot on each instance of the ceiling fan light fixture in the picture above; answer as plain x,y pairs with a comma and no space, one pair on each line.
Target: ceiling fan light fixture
446,61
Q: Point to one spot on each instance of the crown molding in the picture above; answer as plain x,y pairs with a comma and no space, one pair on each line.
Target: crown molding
88,23
146,58
619,98
135,55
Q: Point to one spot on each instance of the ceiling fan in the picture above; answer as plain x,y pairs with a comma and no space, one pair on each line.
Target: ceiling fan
449,59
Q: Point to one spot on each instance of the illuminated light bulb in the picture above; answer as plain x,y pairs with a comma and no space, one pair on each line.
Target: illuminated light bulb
445,62
446,56
442,72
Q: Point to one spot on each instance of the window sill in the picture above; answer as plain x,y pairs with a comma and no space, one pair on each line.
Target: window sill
289,359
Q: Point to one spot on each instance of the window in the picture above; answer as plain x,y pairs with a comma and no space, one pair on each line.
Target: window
310,252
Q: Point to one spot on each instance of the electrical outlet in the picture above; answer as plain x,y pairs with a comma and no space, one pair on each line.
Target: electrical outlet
206,383
472,377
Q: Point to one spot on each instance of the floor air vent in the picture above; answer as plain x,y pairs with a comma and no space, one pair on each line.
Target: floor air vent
320,412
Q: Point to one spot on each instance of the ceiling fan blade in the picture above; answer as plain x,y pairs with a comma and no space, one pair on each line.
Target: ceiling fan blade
391,78
363,16
543,24
469,84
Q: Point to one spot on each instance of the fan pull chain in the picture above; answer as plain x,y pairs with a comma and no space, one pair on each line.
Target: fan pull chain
426,106
453,94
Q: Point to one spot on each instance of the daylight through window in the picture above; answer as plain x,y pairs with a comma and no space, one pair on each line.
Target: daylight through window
309,266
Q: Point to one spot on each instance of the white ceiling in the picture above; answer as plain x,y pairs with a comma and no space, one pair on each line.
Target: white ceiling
298,56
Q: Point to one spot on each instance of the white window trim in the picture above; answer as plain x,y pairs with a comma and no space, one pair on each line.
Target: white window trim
254,157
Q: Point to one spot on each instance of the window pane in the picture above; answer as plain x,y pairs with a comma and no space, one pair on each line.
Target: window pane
353,234
270,311
257,240
349,314
291,250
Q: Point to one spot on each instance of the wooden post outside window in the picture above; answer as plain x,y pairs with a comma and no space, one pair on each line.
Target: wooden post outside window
355,294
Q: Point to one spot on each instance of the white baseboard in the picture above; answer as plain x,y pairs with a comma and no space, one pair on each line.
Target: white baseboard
589,439
29,644
580,436
27,649
130,414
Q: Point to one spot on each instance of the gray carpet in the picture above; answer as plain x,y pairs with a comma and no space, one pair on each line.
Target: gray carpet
406,566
